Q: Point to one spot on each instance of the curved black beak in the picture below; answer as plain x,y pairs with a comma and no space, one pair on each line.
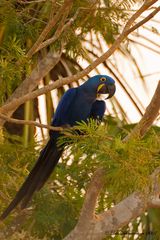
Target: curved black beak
111,90
106,88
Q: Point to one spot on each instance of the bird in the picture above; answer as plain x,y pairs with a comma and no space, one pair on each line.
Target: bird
76,105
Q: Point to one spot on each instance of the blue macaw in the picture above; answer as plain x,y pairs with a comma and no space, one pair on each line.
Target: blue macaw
77,104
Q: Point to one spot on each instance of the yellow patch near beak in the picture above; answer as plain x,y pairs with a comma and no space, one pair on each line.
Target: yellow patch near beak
100,87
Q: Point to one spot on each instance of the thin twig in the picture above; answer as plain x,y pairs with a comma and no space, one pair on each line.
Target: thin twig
61,28
146,39
28,2
146,19
51,23
27,122
144,7
144,45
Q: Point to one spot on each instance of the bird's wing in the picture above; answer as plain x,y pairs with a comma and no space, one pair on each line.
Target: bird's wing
98,110
61,116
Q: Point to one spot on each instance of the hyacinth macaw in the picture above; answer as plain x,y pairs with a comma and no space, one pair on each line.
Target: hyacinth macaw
77,104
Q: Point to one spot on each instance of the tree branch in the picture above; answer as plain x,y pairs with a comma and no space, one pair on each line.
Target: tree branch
88,209
151,113
146,19
51,23
131,207
144,7
17,102
41,70
61,28
31,82
31,123
110,221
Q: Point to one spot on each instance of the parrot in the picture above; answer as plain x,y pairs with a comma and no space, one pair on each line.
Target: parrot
76,105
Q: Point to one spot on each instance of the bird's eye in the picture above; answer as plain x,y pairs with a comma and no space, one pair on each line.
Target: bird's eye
102,79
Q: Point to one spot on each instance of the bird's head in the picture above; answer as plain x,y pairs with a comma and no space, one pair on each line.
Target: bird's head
101,84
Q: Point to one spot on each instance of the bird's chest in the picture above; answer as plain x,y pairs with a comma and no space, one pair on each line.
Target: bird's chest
79,110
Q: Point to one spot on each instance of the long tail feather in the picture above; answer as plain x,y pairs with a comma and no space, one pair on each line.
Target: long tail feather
43,168
42,176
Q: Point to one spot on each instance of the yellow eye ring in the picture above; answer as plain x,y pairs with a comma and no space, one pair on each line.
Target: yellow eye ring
102,79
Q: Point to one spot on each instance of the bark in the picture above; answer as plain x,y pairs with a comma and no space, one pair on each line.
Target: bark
31,82
110,221
151,113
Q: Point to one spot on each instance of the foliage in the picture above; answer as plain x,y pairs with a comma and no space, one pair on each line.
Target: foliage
55,209
131,162
23,235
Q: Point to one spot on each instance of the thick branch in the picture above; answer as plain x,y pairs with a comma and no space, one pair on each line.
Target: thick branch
151,113
110,221
131,207
31,82
88,209
40,71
